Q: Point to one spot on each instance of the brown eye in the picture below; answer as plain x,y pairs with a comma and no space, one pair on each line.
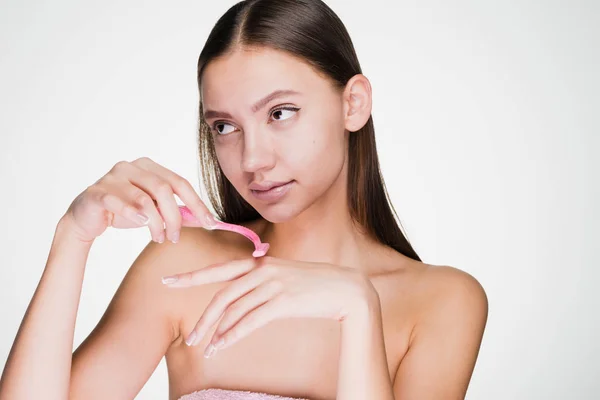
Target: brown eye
216,124
282,112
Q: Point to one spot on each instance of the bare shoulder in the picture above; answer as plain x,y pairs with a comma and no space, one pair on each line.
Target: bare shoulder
142,320
450,296
423,292
444,283
197,248
142,286
449,308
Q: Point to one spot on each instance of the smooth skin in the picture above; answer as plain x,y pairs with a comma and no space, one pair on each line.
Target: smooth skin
433,316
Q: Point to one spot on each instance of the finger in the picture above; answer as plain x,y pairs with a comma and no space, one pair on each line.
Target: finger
189,219
213,273
181,186
156,223
236,311
252,321
115,205
162,193
151,186
224,299
145,203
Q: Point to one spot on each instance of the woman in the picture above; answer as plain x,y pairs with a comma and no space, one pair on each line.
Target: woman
341,307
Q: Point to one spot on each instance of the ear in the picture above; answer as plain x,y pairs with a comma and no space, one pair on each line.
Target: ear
357,102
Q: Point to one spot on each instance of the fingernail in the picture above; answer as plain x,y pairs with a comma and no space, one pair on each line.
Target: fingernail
220,343
161,237
190,340
168,279
210,350
209,221
175,237
142,219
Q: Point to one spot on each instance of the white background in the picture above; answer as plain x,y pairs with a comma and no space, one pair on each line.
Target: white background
486,117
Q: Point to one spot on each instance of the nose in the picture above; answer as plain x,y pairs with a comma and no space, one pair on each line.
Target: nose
258,152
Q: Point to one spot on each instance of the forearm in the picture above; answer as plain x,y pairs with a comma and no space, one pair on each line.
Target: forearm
39,364
363,369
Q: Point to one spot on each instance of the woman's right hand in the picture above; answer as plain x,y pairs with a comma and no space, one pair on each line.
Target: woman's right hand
130,193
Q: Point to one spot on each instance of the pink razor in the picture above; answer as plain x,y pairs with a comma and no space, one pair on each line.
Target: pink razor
260,248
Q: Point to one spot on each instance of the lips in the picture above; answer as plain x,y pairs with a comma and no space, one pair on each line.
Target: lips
266,185
276,192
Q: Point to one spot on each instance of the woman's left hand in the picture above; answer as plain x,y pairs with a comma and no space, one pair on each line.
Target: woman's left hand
266,288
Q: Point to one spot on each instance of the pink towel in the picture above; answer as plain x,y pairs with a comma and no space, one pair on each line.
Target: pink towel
225,394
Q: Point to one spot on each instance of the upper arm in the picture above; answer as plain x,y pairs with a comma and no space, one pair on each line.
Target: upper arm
446,338
137,328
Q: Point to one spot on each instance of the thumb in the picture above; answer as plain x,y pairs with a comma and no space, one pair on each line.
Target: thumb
188,219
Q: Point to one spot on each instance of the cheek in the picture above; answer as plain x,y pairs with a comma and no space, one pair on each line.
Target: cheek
317,160
318,149
229,162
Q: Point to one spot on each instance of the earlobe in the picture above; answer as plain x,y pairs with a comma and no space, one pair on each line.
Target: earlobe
357,96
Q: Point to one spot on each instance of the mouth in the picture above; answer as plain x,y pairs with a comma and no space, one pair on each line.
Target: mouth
272,191
265,185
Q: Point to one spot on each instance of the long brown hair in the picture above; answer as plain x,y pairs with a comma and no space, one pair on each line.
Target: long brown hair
310,31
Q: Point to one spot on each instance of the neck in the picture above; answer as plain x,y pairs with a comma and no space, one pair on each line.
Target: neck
325,232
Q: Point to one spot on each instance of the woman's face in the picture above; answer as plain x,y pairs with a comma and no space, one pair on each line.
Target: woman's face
274,119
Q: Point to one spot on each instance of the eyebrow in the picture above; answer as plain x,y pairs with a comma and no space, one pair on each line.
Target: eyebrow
255,107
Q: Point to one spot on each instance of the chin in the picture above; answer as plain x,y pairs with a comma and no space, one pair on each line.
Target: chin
277,213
